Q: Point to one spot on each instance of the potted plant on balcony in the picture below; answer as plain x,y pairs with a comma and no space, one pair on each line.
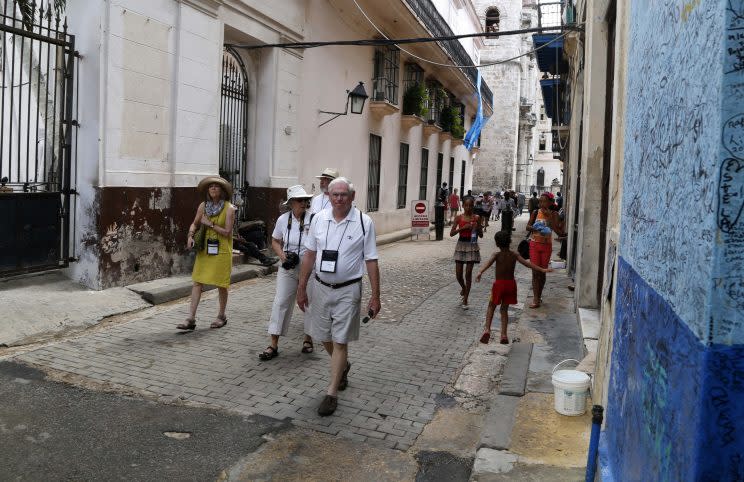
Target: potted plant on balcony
458,130
447,118
415,99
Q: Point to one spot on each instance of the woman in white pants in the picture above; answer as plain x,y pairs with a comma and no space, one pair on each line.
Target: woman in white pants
287,241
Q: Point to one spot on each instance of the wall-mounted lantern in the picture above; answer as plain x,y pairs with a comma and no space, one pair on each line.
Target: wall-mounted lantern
355,97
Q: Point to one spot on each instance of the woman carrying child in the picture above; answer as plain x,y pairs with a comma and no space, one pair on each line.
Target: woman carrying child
542,224
467,253
504,289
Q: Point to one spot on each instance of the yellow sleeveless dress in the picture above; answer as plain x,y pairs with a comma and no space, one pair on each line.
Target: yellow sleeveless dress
215,269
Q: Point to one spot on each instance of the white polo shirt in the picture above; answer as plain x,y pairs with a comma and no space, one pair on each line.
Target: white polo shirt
354,247
320,202
292,239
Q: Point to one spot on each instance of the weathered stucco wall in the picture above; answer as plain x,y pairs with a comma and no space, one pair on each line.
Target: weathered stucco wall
676,392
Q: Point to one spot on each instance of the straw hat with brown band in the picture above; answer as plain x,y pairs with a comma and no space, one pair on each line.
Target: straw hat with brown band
224,184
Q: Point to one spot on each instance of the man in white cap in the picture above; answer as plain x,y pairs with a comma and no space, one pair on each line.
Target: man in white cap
322,201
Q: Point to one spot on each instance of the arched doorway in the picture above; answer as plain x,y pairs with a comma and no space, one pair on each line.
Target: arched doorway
541,179
234,126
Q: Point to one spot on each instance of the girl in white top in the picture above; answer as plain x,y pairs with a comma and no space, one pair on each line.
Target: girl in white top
288,242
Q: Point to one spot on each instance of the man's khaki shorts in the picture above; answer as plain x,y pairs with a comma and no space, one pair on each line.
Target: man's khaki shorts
334,314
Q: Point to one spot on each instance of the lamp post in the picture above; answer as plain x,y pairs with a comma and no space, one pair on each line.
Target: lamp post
355,97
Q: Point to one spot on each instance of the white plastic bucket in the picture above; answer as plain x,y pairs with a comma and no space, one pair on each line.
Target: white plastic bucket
570,388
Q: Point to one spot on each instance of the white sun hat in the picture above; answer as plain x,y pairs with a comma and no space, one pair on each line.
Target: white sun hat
297,192
329,172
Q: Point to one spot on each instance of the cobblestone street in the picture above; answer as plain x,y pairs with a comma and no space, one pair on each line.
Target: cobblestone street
401,366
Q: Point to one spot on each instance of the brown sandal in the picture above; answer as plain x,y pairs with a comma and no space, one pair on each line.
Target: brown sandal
219,322
189,324
307,346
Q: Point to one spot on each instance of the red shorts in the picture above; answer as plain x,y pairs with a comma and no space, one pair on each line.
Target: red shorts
504,291
540,253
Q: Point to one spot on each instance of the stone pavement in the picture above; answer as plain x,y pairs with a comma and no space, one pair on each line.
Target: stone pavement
420,383
524,437
401,364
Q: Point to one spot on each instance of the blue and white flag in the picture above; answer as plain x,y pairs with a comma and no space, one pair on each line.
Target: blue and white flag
471,137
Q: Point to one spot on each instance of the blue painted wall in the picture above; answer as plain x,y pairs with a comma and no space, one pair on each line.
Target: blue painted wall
676,392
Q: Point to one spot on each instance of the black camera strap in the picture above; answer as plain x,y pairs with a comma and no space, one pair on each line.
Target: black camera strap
302,228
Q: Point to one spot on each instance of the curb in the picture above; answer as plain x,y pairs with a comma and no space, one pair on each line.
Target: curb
164,290
169,289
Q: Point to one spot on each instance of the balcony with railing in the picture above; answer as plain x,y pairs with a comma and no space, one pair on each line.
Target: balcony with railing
430,17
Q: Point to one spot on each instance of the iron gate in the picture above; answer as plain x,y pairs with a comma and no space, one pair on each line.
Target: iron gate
37,99
234,126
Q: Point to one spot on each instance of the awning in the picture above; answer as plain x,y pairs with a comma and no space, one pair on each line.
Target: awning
550,56
552,92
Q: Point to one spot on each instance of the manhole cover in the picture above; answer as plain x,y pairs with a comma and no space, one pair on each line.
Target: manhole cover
178,435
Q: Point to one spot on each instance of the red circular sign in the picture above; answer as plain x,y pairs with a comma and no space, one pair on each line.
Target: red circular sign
420,208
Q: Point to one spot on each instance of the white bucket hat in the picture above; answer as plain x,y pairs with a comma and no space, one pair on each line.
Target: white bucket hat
329,172
297,192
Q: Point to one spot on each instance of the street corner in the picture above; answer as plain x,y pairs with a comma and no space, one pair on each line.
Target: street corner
302,454
543,436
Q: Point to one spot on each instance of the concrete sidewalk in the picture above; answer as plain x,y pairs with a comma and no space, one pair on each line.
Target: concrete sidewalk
45,306
523,437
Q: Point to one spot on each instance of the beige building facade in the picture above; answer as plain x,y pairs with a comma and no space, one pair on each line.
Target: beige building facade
170,93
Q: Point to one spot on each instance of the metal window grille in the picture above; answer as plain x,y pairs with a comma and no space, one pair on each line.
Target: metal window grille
373,173
413,75
234,126
385,82
38,138
440,165
550,14
424,173
402,175
451,181
462,178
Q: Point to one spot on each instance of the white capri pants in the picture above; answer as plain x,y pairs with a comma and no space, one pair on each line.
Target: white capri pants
284,302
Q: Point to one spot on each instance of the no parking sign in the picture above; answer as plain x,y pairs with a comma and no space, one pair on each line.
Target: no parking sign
419,217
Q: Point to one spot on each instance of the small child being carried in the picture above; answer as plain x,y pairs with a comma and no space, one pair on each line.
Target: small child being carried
504,290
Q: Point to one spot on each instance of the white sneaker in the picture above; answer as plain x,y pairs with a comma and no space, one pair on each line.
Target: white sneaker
465,307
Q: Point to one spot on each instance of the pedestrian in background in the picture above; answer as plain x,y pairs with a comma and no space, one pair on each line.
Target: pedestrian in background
504,288
341,244
321,201
520,203
507,212
559,200
542,223
467,225
213,264
287,243
454,204
442,198
533,204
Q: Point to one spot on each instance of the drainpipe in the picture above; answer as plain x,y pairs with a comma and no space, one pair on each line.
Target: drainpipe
591,463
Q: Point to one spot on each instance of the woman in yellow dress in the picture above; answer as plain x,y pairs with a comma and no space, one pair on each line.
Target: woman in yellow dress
214,261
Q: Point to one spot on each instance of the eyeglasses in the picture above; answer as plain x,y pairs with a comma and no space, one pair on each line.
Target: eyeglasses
340,194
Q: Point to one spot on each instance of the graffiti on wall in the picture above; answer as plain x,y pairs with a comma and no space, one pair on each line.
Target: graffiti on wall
653,410
672,142
727,317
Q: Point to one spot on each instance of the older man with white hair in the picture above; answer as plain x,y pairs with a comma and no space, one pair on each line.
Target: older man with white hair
341,243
